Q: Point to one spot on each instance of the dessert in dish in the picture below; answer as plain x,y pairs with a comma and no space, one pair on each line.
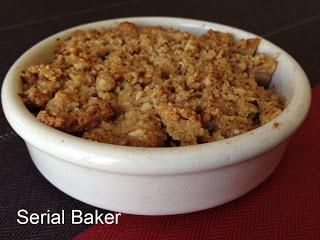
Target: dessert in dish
153,86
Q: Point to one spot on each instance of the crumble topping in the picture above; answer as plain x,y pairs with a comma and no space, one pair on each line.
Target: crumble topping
152,86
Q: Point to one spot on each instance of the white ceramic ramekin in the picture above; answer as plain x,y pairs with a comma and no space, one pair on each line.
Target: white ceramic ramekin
158,181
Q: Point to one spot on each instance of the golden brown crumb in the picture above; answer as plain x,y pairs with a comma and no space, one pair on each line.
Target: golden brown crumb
65,112
276,125
152,87
134,128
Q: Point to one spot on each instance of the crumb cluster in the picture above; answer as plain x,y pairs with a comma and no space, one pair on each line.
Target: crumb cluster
152,87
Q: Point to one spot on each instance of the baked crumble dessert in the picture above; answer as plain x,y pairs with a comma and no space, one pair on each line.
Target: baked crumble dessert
152,86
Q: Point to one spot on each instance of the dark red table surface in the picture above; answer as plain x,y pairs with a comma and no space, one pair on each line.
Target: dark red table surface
293,25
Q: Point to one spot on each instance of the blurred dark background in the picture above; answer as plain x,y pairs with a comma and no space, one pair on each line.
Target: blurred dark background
294,25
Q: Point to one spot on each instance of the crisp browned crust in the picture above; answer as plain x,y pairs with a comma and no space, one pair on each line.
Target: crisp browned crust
150,86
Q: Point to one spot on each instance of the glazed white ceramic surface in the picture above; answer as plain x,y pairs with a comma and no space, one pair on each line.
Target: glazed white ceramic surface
158,181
